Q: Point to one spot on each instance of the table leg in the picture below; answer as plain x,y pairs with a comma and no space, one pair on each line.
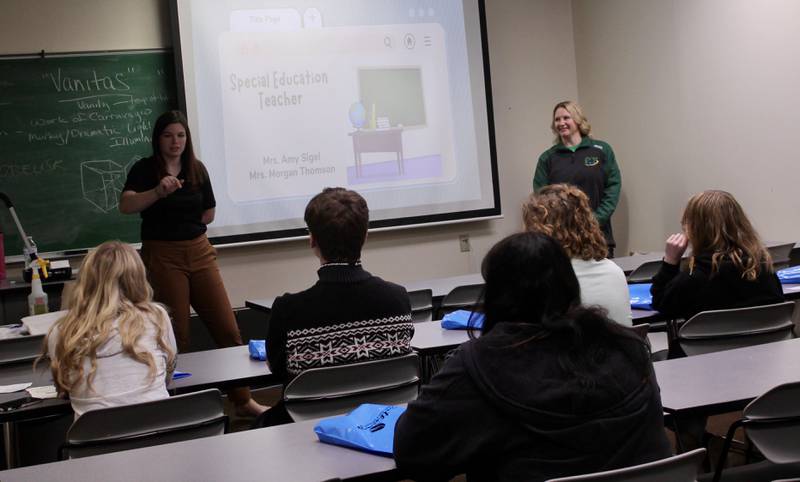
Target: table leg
10,444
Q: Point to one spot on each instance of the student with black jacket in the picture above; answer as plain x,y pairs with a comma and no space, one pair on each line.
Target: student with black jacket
550,388
729,266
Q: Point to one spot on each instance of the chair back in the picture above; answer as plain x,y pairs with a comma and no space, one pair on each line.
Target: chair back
466,296
641,329
781,255
772,422
421,305
173,419
645,272
326,391
679,468
718,330
23,349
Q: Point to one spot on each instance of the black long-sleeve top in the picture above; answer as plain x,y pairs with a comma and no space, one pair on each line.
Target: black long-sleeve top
684,294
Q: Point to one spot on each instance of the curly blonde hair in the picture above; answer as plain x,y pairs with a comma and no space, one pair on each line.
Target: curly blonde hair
562,211
716,224
111,286
584,127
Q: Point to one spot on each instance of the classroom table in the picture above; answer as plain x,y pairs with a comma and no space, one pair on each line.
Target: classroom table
726,380
286,452
221,368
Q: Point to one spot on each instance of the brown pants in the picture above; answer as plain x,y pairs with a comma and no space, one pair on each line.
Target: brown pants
185,273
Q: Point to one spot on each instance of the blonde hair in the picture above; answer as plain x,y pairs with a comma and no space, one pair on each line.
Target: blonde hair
111,285
577,115
562,211
715,223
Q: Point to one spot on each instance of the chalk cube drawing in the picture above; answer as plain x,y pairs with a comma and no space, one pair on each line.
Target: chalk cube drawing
102,183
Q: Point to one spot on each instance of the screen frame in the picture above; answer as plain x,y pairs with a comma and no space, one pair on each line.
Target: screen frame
409,222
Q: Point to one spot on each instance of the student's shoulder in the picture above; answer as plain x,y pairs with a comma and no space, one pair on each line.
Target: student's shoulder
388,284
611,268
388,288
288,301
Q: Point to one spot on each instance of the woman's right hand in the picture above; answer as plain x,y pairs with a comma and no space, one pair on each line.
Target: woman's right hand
167,186
676,246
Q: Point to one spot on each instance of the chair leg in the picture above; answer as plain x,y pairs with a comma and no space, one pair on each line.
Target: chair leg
726,446
672,420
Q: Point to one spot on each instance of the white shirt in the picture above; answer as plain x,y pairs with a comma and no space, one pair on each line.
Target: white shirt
603,283
119,379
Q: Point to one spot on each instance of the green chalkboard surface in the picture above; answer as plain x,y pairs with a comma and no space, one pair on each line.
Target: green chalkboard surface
70,129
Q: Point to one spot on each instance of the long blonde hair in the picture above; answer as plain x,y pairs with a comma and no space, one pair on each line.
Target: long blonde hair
716,224
111,286
562,211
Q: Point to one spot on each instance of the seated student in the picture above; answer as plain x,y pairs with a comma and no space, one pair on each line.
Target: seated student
562,211
550,389
349,315
729,266
115,346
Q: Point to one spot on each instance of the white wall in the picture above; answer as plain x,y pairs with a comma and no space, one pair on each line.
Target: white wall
533,66
694,95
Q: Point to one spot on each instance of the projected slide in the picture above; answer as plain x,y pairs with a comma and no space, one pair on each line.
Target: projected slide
374,109
385,97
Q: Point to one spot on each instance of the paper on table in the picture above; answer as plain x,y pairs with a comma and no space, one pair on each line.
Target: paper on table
47,391
40,324
17,387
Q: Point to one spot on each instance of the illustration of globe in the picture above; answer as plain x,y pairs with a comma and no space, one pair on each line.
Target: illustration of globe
358,115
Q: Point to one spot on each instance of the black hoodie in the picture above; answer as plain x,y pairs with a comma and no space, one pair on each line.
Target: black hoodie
501,412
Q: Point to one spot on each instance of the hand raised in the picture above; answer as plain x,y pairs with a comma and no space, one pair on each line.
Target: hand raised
676,246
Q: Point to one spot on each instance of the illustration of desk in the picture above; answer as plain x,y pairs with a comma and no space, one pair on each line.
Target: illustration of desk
378,140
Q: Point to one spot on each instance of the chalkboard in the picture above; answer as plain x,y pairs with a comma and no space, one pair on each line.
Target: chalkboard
70,129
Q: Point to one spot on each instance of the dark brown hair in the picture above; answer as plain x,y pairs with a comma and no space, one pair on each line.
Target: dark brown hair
338,219
192,168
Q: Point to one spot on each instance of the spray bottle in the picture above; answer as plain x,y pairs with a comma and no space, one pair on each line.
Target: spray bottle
37,300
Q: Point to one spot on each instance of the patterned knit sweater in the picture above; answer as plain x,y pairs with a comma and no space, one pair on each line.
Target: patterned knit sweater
348,316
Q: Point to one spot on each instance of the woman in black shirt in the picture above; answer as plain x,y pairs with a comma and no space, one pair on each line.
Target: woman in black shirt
729,266
171,191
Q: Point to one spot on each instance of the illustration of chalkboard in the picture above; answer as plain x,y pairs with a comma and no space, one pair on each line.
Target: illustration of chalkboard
70,128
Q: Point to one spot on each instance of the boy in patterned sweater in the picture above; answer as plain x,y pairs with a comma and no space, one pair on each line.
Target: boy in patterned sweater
349,315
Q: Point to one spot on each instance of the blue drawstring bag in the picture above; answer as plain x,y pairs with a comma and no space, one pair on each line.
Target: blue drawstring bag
258,349
641,299
790,275
369,428
460,320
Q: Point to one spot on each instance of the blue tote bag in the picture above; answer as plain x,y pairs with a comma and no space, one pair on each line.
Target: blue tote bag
641,299
790,275
460,320
369,428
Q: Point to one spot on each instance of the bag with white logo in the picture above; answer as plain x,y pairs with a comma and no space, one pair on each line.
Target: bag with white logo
369,428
